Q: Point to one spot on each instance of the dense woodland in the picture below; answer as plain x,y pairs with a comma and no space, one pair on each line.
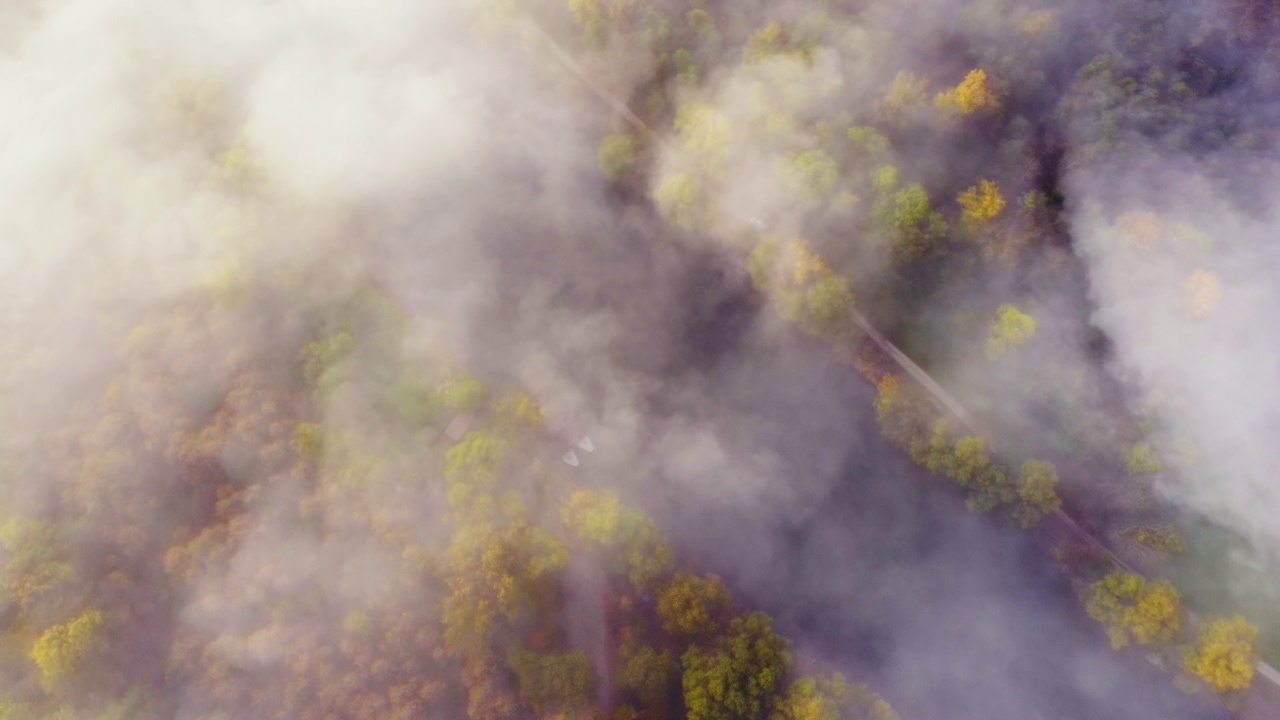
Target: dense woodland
952,186
275,499
111,610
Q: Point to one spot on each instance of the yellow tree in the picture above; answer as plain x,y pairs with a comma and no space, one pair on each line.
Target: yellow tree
1132,609
1141,459
60,649
1223,656
972,95
1140,228
981,203
1011,328
1204,292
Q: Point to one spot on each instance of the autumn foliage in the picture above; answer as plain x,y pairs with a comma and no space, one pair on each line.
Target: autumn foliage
972,95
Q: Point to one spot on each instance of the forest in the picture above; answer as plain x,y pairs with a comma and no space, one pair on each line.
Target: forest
639,360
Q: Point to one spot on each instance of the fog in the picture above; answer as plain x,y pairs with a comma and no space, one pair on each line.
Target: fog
155,152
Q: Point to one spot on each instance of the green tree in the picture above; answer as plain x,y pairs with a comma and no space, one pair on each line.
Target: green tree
472,467
705,134
694,607
475,457
584,11
1132,609
969,460
238,167
700,21
489,695
599,517
497,573
969,463
195,107
519,415
60,649
556,684
687,74
804,289
869,143
679,199
618,154
647,673
763,42
904,412
1157,540
1142,460
308,441
14,710
229,282
412,399
812,174
830,698
591,16
828,307
322,359
1037,492
739,678
989,489
1011,328
762,265
461,394
36,562
639,549
937,451
905,217
903,99
136,702
1224,654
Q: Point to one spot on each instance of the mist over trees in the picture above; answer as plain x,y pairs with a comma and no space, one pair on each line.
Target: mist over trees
475,358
